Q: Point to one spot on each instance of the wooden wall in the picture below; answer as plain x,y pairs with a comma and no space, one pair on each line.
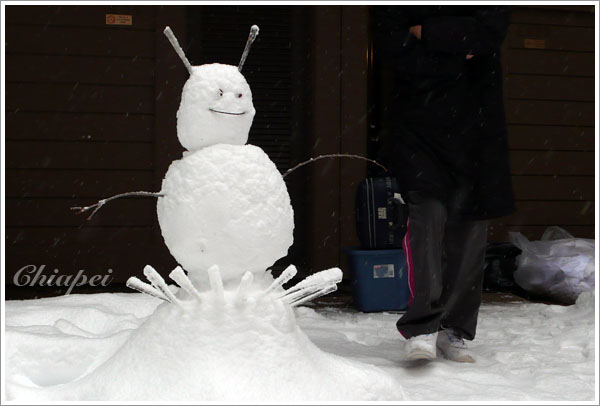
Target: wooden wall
549,99
87,116
90,112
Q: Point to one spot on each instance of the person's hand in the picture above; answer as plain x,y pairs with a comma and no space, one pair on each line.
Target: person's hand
416,31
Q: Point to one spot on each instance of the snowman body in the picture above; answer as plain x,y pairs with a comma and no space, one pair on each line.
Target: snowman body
225,203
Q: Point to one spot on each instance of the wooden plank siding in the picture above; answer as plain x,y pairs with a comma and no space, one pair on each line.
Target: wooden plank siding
66,126
31,183
79,41
76,155
69,249
90,112
548,62
81,124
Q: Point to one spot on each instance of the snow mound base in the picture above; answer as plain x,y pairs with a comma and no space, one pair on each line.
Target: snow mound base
237,345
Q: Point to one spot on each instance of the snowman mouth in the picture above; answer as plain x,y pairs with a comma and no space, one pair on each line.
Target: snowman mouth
226,112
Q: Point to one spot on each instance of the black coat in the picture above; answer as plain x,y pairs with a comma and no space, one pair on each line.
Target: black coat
445,124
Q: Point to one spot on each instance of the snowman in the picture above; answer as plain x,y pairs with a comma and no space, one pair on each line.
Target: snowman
225,203
223,209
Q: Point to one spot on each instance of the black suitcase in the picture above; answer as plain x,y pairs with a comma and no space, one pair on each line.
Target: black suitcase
381,213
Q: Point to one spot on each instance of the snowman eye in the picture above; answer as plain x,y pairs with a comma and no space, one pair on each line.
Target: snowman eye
239,95
220,92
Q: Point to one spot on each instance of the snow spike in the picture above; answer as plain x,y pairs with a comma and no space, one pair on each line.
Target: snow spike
159,283
299,294
319,293
173,40
142,287
285,276
313,286
315,281
245,284
182,280
216,282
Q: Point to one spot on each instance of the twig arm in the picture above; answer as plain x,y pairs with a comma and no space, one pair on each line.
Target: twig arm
311,160
102,202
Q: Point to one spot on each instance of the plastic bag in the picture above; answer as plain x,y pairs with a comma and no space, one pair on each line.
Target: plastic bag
558,266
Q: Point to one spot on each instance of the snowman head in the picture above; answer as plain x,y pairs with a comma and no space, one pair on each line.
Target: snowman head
216,102
216,107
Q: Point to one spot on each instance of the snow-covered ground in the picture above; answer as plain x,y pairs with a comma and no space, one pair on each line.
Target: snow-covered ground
525,351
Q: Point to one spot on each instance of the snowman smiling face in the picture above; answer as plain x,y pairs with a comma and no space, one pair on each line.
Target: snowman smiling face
216,108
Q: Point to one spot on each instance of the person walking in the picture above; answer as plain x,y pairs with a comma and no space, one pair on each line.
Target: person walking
447,146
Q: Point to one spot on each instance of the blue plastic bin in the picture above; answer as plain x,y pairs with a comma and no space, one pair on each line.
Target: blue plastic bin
379,279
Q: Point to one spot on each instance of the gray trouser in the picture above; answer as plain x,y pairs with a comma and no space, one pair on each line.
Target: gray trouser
445,260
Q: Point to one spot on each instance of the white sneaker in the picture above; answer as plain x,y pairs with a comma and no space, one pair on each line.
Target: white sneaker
453,347
421,347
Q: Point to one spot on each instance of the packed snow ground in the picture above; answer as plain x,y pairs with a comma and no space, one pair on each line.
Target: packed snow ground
525,351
